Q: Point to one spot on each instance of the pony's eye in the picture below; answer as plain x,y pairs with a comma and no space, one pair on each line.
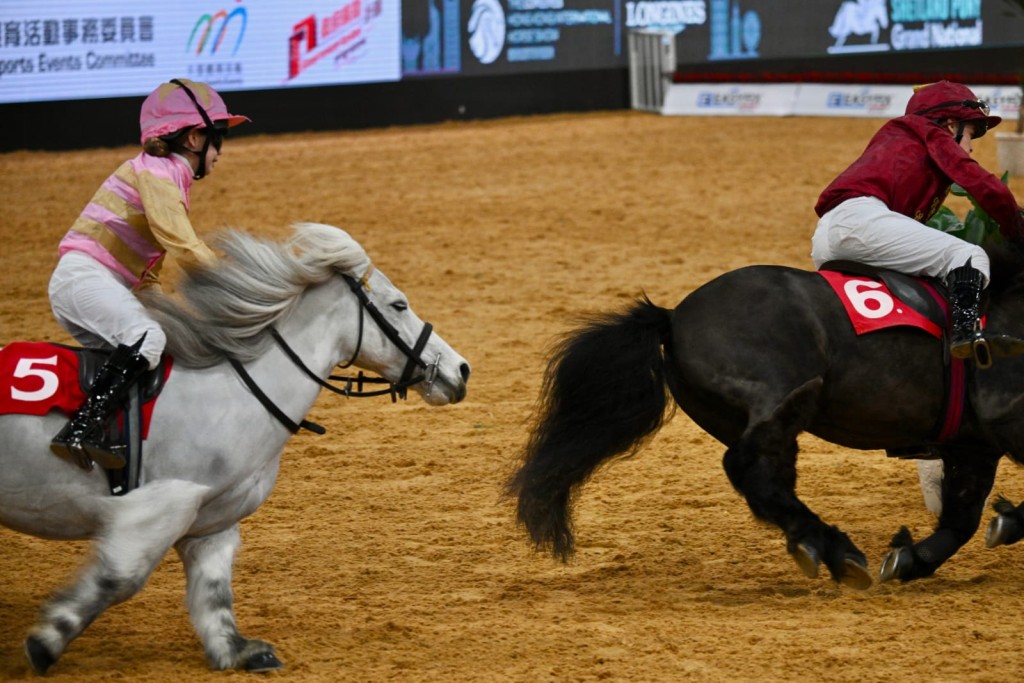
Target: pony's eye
400,306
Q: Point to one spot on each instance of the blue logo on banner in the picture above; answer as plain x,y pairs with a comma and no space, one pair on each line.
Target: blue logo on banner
864,100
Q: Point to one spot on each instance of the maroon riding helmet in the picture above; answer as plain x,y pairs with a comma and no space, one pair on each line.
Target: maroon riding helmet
948,100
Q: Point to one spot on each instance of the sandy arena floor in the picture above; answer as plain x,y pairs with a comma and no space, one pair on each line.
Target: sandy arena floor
386,551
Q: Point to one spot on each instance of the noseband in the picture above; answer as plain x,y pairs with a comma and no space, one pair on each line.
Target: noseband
395,389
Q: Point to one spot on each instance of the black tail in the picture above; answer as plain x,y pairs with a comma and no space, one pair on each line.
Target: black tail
604,395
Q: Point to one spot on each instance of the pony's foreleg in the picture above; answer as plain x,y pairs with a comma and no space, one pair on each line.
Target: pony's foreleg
967,481
137,531
208,562
761,466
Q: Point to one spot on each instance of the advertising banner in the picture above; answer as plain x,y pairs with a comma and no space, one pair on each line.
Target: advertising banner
476,37
1003,101
68,49
730,99
878,101
52,50
753,29
486,37
888,101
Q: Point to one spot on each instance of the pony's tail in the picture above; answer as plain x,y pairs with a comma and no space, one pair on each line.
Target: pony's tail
604,395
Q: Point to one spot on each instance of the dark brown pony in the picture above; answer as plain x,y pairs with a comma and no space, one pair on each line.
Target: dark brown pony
755,357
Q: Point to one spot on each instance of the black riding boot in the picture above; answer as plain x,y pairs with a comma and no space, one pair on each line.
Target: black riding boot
81,440
964,285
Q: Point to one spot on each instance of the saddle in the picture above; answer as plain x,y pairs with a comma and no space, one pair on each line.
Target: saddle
913,291
927,297
91,360
40,377
921,303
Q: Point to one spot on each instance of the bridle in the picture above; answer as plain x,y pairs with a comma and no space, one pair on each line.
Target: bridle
412,354
396,390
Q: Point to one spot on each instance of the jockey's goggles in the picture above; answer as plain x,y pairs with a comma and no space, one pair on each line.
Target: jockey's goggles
980,122
980,105
217,135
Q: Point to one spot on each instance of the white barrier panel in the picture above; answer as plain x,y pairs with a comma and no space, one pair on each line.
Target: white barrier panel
730,99
1003,100
813,99
652,59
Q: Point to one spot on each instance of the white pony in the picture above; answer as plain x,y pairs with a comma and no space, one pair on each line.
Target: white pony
213,450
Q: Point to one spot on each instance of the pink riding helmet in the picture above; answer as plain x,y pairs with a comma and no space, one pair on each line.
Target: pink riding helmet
169,109
953,100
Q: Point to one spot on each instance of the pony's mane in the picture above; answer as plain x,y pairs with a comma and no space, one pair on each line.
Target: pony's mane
226,308
1006,266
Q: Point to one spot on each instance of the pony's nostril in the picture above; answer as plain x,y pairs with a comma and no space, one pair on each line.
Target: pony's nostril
464,371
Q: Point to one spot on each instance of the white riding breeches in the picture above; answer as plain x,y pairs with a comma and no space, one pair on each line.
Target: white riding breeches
97,307
864,229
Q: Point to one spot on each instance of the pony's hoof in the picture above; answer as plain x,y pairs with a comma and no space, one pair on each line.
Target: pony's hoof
262,662
38,655
807,559
855,574
896,564
1002,530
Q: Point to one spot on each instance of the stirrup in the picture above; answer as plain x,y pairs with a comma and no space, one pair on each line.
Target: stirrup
976,348
74,453
109,457
1003,345
982,353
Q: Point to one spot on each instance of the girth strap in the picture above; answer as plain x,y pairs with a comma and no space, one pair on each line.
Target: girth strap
956,398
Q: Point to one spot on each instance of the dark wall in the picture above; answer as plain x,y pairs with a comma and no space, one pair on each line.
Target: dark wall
78,124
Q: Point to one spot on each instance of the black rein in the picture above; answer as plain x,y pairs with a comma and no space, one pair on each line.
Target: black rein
395,389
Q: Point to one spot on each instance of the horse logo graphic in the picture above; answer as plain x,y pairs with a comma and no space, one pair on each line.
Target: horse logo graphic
859,17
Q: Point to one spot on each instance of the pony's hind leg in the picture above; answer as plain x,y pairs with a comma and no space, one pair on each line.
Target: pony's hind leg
208,562
761,465
137,531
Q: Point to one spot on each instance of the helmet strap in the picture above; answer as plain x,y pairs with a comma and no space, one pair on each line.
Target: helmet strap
201,169
210,131
958,137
